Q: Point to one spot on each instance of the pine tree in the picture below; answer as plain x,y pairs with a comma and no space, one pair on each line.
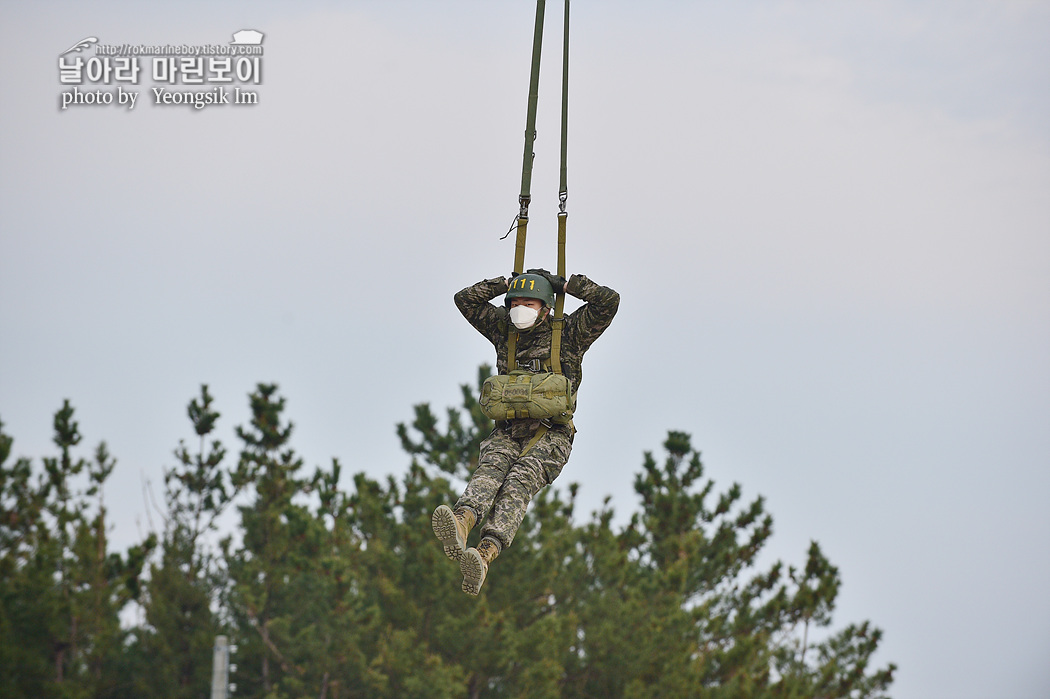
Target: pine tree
455,450
25,644
343,594
63,590
182,592
289,571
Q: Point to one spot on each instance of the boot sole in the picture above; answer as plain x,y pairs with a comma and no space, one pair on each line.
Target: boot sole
444,523
473,569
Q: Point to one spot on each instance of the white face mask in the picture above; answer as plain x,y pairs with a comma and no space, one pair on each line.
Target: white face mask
523,317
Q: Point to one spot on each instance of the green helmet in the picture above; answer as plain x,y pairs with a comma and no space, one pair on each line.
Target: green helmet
531,286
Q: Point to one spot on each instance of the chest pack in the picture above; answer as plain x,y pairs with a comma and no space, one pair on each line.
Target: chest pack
522,393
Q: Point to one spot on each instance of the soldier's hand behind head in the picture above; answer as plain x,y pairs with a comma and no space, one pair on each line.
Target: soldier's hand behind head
557,281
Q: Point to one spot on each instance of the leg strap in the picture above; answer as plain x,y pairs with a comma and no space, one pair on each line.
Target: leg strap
542,430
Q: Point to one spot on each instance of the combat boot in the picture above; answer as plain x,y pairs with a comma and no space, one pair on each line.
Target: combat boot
452,528
475,564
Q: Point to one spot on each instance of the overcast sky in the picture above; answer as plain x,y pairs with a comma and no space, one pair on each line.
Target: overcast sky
829,224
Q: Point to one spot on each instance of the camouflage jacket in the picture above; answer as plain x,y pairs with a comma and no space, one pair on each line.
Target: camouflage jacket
582,326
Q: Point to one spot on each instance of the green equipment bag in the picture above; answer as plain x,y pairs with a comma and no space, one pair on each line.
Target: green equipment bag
523,394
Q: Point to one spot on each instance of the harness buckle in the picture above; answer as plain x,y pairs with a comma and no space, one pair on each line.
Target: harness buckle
535,366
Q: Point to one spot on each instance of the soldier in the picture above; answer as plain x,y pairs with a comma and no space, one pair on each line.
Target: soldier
521,455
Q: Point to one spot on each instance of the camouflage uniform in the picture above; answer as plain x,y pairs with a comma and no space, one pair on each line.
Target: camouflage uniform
505,482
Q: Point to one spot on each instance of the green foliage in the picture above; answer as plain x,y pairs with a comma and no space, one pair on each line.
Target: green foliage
454,451
181,624
61,589
344,593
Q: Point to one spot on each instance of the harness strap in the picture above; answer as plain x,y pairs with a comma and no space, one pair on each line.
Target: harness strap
512,349
542,430
555,360
559,302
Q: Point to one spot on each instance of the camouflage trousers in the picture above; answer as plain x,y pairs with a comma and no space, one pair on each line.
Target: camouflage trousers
505,482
